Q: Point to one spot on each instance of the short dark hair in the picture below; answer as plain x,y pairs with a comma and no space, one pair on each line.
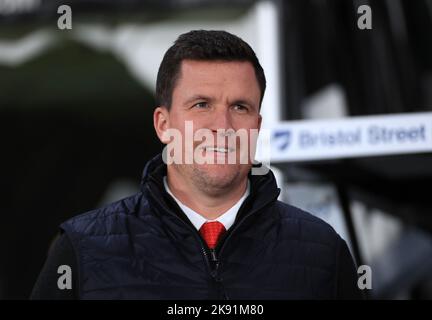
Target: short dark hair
203,45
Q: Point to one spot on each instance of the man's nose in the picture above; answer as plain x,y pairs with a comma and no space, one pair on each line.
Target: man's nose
221,119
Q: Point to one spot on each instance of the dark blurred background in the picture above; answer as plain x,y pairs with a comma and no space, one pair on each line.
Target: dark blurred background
76,117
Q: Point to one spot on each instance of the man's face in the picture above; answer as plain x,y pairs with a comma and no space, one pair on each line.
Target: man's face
214,95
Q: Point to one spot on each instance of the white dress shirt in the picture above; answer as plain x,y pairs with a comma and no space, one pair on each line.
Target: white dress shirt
227,218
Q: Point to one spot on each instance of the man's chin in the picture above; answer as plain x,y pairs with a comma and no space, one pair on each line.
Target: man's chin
221,175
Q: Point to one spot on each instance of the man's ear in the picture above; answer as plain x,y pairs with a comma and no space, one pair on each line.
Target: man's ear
161,122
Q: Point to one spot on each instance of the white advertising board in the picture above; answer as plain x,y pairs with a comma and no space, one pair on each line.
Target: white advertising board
347,137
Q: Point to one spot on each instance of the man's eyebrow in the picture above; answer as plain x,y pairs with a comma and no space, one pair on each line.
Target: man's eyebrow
197,97
240,101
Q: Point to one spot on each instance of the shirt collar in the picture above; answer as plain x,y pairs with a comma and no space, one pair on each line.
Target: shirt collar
227,218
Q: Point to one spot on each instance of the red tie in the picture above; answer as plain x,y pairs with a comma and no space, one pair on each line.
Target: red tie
211,232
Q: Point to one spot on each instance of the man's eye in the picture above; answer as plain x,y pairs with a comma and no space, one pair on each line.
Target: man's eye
239,107
201,105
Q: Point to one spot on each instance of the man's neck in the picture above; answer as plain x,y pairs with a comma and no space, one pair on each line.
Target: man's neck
210,206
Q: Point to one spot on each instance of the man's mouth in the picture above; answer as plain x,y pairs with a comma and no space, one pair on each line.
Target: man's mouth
218,149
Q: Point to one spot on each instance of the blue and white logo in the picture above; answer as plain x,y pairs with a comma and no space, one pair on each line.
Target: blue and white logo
282,139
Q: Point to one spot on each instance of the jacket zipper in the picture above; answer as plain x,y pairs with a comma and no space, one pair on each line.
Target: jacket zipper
194,231
213,254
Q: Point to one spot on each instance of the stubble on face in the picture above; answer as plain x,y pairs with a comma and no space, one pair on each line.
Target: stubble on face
212,182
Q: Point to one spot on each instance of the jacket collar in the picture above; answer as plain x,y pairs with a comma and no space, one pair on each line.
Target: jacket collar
263,190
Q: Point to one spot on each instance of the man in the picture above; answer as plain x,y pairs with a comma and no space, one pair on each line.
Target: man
202,229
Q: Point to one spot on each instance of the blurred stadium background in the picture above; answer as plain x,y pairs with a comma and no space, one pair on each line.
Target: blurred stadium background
76,117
